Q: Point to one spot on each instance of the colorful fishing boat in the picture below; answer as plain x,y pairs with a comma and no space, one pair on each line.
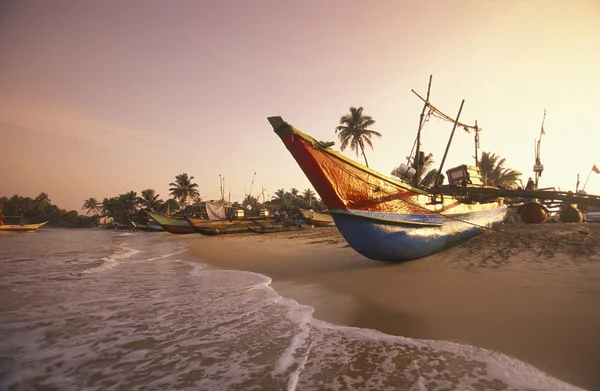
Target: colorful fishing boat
21,227
233,226
173,225
150,227
382,218
318,219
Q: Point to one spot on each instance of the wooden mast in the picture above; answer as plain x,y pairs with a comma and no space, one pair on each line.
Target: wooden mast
538,167
417,160
436,183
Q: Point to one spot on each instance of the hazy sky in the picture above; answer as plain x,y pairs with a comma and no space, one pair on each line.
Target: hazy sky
101,97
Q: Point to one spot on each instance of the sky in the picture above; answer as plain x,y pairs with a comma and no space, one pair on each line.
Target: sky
98,98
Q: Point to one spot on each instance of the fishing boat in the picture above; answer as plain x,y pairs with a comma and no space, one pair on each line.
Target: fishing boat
318,220
382,218
21,227
172,225
233,226
150,227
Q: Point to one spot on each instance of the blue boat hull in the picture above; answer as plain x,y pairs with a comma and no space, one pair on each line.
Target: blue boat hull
396,237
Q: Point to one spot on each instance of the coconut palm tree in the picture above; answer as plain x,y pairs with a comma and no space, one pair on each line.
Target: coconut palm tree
426,176
309,196
183,189
494,173
149,200
278,196
43,201
354,131
92,205
169,206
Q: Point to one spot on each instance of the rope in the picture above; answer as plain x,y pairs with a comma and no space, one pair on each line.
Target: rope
439,114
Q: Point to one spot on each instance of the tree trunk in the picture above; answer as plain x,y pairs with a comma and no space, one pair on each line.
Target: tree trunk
365,156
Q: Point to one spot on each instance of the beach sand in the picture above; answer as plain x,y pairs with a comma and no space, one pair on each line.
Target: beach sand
537,300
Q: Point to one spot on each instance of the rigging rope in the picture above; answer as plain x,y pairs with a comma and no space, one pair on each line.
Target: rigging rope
439,114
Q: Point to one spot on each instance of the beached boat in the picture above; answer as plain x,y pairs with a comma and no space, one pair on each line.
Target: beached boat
233,226
151,227
21,227
382,218
318,220
173,225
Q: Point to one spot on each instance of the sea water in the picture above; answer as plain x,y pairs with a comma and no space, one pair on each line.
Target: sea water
107,310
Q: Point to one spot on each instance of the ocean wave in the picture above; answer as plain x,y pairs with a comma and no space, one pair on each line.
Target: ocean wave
110,261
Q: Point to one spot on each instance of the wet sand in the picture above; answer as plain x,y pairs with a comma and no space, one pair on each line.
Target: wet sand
537,300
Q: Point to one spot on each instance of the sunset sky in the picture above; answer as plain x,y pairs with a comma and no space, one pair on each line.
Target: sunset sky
101,97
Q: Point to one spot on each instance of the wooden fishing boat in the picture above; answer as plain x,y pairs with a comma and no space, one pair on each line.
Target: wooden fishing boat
173,225
151,227
21,227
233,226
318,220
381,218
267,230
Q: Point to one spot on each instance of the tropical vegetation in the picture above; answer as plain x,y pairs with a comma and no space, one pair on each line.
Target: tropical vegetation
495,173
23,210
354,132
184,190
130,206
425,177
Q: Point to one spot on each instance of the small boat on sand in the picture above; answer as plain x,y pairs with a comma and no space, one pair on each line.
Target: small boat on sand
173,225
318,220
151,227
233,226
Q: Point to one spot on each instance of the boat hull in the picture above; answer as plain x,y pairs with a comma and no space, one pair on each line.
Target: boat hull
379,217
21,228
224,227
318,220
393,238
172,225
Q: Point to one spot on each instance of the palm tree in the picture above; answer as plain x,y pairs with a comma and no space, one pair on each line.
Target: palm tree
309,196
149,200
127,204
92,205
279,196
183,189
494,173
426,176
354,131
43,201
169,206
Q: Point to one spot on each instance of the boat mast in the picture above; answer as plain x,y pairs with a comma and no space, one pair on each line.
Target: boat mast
436,183
538,167
417,160
476,144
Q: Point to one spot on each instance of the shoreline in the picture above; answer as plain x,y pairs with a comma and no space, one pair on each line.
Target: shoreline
536,300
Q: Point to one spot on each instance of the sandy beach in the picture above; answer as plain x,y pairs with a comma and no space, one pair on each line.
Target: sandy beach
529,291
